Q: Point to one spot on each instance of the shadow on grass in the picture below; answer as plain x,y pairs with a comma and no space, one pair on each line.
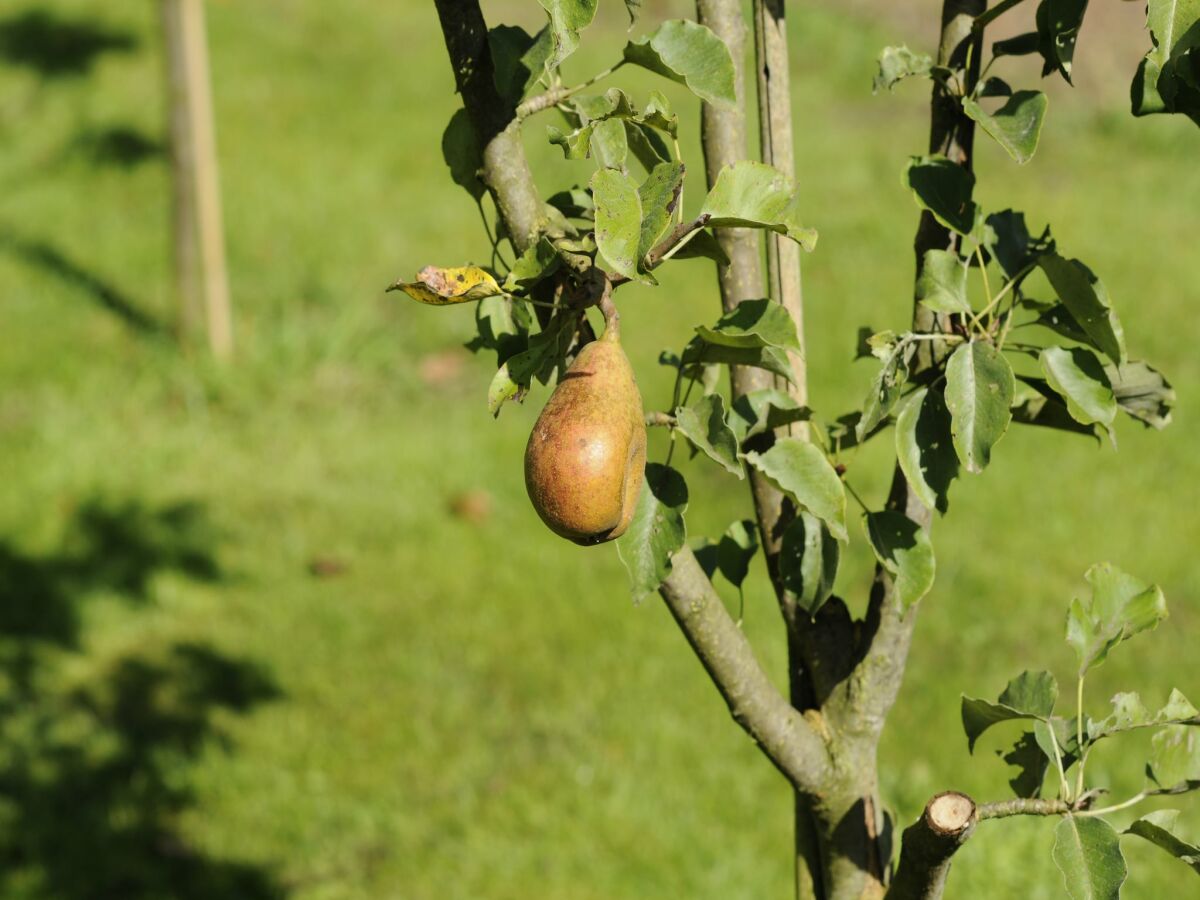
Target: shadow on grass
48,258
117,145
93,767
57,47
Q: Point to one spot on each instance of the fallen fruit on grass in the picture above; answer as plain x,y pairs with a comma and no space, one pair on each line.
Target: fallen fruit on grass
587,454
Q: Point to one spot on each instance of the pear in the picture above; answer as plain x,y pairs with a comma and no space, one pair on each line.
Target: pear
587,454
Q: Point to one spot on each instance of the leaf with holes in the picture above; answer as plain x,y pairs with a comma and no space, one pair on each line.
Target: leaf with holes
442,287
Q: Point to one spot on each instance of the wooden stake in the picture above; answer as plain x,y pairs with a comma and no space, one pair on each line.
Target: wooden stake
199,242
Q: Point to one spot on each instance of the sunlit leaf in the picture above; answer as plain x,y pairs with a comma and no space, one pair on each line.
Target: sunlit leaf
800,470
1088,853
1159,828
1120,607
1015,126
703,424
751,194
942,284
753,323
618,219
690,54
1079,377
567,19
1031,695
898,63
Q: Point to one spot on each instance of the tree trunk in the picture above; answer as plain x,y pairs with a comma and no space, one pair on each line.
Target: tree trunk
201,279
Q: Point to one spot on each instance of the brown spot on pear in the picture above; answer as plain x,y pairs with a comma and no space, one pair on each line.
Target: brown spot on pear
587,453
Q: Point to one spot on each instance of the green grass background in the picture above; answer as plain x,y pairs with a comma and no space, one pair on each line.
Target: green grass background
474,708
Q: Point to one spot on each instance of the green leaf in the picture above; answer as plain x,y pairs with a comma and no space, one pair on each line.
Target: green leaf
539,261
1163,82
943,188
703,424
1011,246
979,394
886,388
545,352
461,152
567,19
1158,828
1085,298
898,63
657,531
657,114
808,561
1120,607
994,87
925,447
942,284
689,54
575,145
1142,392
1058,23
658,194
1015,126
1079,377
618,219
773,359
751,194
1130,713
609,145
1042,407
1088,853
518,59
800,470
704,244
753,323
1031,695
736,548
646,145
903,548
1175,758
764,410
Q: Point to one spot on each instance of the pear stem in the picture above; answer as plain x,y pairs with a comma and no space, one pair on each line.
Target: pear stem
612,318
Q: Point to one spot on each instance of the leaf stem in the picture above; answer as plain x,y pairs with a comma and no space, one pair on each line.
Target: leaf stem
983,19
853,493
1064,788
1136,798
1079,736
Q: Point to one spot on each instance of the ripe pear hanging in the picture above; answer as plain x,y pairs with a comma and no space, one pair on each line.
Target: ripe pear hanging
587,454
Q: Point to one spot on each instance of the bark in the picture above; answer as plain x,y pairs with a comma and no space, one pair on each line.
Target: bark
505,168
929,843
789,738
197,194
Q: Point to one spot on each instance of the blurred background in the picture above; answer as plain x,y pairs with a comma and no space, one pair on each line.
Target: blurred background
288,627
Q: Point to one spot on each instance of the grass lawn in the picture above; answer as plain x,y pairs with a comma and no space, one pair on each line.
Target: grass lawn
291,628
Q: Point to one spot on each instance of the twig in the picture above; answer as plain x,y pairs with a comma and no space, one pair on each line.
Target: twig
676,238
556,95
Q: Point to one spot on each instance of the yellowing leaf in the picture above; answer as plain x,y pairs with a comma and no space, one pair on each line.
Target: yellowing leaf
441,287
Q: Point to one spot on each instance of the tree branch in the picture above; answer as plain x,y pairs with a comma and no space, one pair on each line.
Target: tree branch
872,688
789,738
676,236
505,167
723,137
929,843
